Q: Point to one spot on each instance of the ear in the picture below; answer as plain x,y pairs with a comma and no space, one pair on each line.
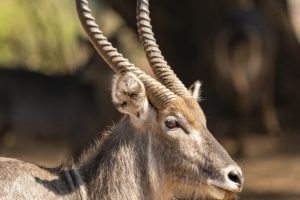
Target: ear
129,95
195,90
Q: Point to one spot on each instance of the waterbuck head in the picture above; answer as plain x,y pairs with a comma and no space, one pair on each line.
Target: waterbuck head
184,154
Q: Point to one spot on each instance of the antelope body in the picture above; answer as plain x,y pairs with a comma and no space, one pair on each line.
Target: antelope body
161,148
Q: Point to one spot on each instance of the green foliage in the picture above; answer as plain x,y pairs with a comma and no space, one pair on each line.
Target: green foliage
40,34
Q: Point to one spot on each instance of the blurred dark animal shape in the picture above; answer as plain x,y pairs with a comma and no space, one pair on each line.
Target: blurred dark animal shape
245,50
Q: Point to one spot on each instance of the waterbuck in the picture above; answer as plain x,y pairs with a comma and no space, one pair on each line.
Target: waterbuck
245,51
161,148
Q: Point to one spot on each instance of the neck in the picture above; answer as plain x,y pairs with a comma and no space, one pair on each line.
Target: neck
122,167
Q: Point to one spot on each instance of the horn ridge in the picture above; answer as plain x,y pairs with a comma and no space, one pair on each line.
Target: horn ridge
158,94
154,56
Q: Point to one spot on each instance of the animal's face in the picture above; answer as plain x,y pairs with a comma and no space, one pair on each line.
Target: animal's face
193,161
184,151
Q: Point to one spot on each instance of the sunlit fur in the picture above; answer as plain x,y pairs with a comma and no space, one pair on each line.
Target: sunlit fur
128,93
195,90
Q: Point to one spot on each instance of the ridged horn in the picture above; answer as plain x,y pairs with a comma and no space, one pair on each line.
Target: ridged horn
155,58
158,94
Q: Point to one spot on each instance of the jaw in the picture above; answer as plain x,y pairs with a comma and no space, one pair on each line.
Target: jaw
195,190
205,190
219,191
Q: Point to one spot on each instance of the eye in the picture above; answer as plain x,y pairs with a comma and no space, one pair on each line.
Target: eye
171,123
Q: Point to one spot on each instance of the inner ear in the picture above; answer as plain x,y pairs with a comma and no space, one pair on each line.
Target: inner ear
129,95
195,90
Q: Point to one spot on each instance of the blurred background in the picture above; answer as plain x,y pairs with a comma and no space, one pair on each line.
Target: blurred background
55,90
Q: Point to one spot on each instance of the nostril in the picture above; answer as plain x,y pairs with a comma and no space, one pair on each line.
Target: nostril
235,177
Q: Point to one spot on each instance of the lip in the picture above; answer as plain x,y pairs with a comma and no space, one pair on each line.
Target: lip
225,190
229,188
221,193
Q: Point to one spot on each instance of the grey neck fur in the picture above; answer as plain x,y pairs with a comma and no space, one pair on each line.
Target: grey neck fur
130,167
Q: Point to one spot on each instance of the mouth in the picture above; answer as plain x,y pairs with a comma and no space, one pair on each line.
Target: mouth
219,191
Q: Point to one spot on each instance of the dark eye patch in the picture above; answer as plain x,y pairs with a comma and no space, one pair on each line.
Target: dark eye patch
171,123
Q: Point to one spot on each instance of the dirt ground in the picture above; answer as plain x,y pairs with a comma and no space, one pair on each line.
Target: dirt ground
271,165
